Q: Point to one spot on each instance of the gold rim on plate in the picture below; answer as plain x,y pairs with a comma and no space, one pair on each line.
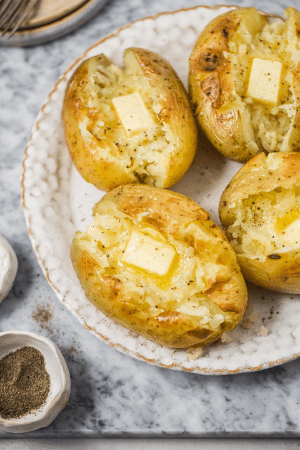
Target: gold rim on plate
218,365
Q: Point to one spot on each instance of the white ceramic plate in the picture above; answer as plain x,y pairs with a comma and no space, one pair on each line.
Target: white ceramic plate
57,202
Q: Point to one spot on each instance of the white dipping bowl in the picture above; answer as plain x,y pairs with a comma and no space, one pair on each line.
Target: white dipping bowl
60,383
8,271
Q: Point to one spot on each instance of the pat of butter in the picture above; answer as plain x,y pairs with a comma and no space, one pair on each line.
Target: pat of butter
264,80
291,234
133,113
288,219
149,254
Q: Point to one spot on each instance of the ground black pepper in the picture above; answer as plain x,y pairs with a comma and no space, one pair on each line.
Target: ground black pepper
43,316
24,383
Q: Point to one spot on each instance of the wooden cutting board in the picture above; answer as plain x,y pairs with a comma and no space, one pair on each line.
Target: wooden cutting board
52,19
48,11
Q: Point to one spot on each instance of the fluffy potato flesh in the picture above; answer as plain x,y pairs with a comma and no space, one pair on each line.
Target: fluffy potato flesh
133,124
271,125
147,151
263,220
267,223
250,112
200,293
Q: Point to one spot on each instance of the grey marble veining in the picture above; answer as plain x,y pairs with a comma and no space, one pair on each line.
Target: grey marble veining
113,394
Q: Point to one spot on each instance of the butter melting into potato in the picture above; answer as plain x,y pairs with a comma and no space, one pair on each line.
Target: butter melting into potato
245,84
154,262
129,125
260,209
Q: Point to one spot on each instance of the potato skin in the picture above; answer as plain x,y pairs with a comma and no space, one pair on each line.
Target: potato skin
211,85
176,112
212,90
279,272
86,155
168,214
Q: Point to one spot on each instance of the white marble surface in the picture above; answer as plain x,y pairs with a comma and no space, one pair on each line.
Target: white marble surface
112,394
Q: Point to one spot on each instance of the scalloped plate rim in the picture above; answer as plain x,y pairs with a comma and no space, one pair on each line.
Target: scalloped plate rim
196,369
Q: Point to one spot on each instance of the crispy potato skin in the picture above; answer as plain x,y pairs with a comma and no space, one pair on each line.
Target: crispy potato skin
86,156
212,91
176,112
280,275
280,272
211,85
168,213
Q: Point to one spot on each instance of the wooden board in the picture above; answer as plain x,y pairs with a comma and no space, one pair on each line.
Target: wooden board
48,11
52,19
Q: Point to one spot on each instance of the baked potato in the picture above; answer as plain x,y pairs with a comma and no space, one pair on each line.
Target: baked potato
154,262
129,125
244,83
260,209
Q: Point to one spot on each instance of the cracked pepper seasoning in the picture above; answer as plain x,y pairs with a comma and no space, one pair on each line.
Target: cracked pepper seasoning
24,383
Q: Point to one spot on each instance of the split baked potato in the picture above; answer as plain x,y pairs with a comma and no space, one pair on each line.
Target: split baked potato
260,210
154,262
129,125
244,83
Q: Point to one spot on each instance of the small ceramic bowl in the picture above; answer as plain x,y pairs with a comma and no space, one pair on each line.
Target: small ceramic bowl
60,384
9,267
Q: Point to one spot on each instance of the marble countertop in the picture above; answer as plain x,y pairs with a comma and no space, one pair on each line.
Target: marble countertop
113,394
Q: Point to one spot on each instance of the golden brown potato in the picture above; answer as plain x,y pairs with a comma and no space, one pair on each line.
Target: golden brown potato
154,262
245,85
260,209
129,125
